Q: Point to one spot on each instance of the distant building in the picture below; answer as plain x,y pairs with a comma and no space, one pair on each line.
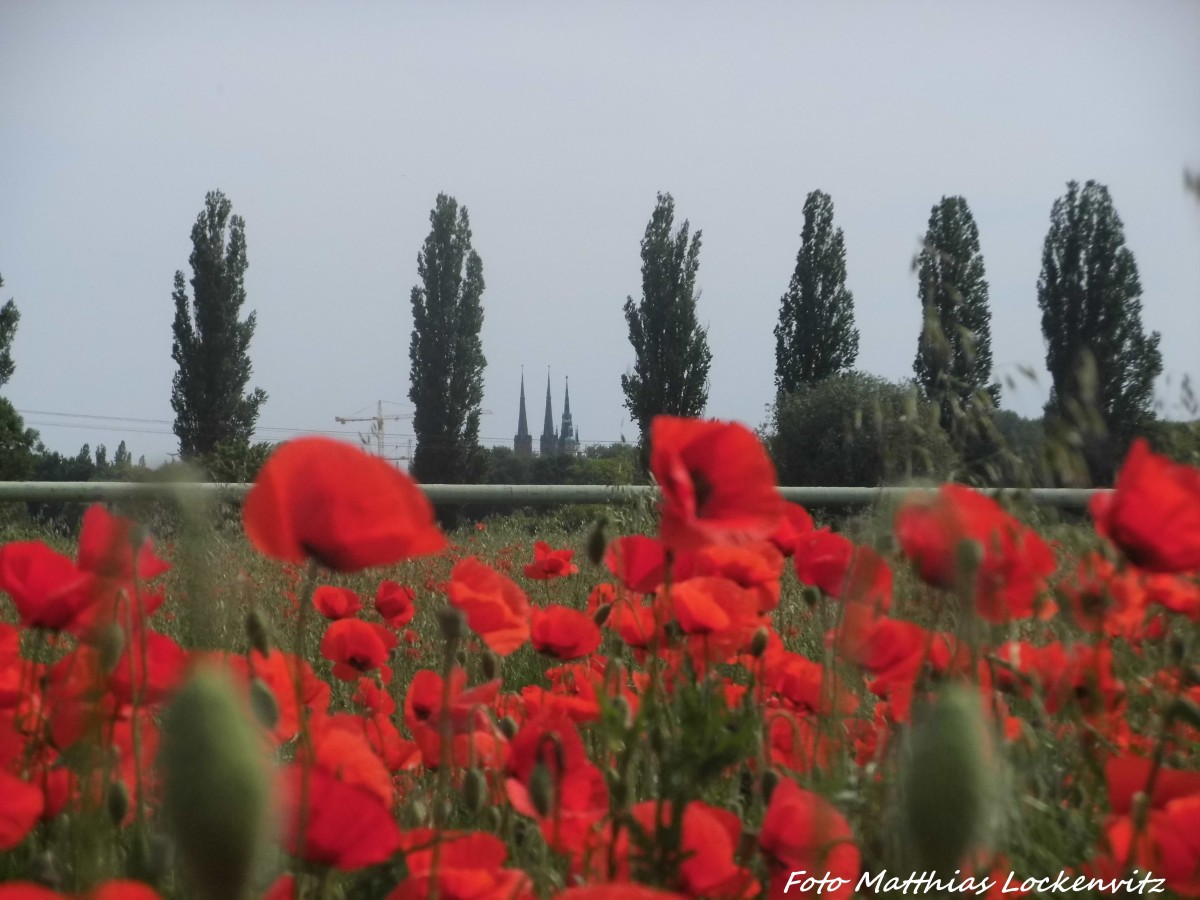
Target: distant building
564,442
523,442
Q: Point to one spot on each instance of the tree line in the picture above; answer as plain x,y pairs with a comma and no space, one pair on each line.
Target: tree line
831,424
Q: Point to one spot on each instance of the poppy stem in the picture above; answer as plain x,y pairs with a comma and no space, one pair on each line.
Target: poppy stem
304,748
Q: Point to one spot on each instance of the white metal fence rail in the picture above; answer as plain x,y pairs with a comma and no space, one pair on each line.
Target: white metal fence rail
495,494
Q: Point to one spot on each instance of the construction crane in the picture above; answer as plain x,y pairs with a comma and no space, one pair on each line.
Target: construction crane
377,430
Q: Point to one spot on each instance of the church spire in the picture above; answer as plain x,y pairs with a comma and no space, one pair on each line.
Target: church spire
548,444
568,440
523,442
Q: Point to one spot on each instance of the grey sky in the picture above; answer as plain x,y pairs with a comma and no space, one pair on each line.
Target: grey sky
333,127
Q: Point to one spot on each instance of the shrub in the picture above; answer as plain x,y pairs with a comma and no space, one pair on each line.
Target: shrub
858,430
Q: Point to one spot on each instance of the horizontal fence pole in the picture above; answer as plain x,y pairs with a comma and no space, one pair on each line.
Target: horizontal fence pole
496,494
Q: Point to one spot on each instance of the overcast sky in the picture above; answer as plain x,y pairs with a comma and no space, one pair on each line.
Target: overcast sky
332,128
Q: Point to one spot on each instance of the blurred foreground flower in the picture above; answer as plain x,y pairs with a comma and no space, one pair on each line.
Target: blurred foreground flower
322,499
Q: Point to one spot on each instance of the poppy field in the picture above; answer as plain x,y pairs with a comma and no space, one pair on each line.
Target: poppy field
734,701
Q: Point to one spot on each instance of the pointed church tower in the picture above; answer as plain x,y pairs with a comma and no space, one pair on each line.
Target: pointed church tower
548,444
568,440
523,442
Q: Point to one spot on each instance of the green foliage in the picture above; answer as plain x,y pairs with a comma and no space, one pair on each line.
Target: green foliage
1102,363
446,353
237,462
18,445
614,464
816,337
953,365
211,343
858,430
9,319
671,355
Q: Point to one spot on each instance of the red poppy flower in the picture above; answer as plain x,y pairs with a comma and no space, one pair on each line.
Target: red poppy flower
48,589
580,797
469,867
335,602
106,549
852,573
355,647
639,562
21,806
395,603
475,738
564,633
550,563
708,843
756,567
1016,561
1153,515
796,523
1167,842
803,831
152,664
348,826
717,482
497,610
329,501
617,892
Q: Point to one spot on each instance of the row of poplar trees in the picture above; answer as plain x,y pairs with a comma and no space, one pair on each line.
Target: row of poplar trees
1101,362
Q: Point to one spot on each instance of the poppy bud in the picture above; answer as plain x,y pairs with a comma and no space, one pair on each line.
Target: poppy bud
110,644
758,643
618,789
597,542
811,595
491,819
257,632
117,802
508,727
770,780
262,702
601,615
414,813
541,789
948,779
490,664
624,710
215,786
444,809
474,791
451,622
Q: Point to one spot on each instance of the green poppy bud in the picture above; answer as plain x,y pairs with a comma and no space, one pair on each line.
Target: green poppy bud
263,703
257,632
948,779
474,791
541,789
215,786
597,541
110,644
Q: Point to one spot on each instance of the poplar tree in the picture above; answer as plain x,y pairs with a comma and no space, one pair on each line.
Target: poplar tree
446,352
671,355
1101,362
211,342
816,337
10,317
953,364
